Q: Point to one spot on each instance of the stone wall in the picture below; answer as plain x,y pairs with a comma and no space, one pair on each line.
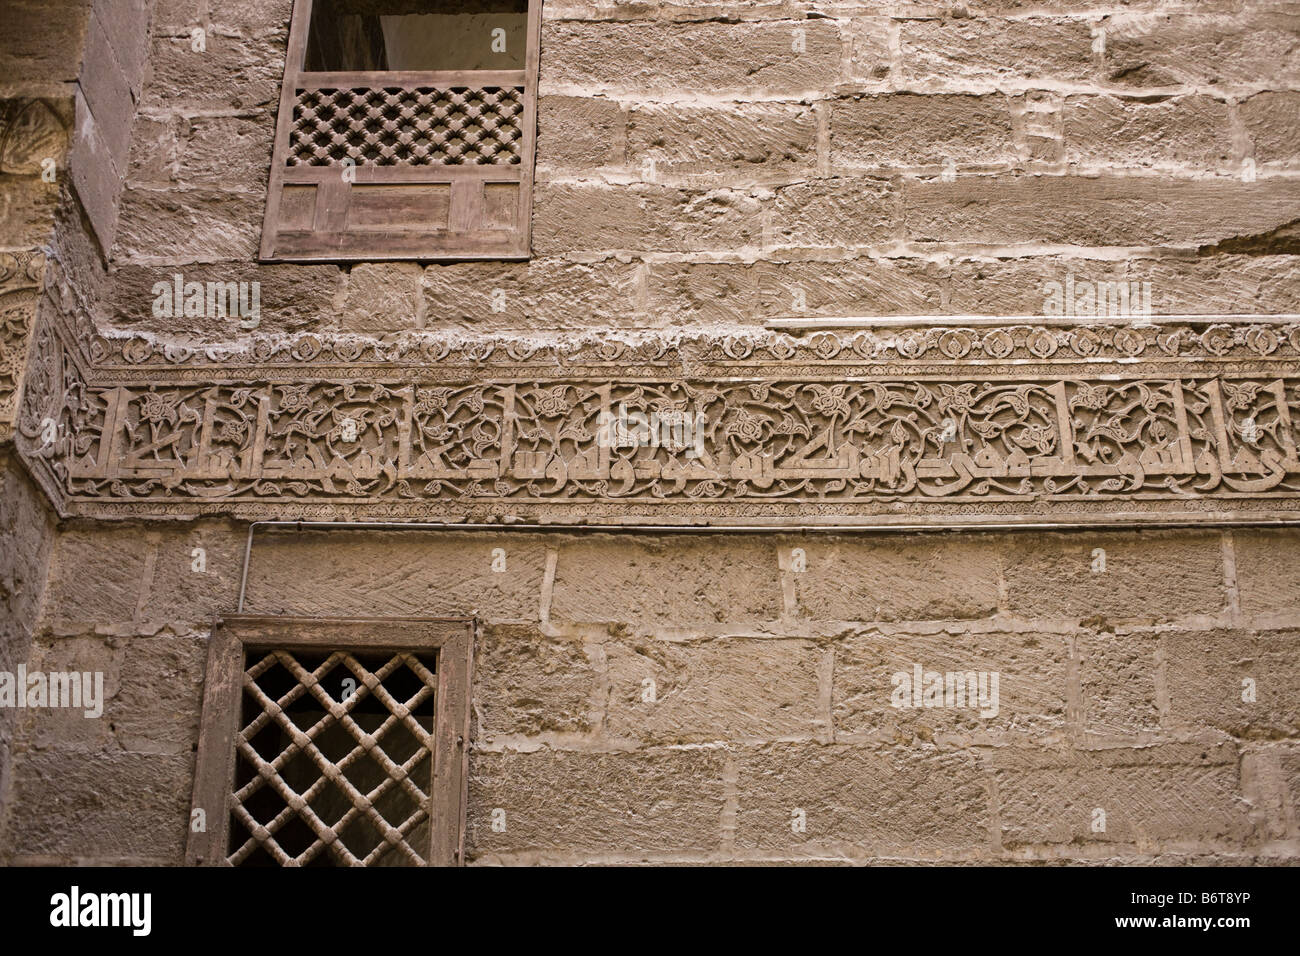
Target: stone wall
734,162
40,54
1119,690
26,539
702,167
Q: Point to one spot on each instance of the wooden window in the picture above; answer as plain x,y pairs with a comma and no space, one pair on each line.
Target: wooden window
406,131
333,743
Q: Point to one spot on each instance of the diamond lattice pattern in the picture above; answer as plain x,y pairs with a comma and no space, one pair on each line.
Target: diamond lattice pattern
334,761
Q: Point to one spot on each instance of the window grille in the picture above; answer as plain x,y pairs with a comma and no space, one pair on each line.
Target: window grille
333,743
406,130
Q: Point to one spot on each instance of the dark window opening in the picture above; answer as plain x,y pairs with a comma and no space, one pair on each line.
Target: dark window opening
390,35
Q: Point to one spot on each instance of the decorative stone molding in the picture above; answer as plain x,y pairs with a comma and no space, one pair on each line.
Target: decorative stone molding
20,283
940,426
1212,338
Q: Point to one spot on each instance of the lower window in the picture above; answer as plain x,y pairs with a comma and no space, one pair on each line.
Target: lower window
333,743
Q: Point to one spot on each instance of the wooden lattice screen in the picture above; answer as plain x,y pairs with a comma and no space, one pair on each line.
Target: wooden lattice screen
383,164
333,742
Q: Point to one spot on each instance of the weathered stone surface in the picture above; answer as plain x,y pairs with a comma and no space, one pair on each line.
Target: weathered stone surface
161,694
178,17
1105,211
195,577
95,175
152,694
1038,122
742,143
224,151
26,540
907,130
72,806
26,216
1164,50
253,17
1148,578
43,728
42,41
913,802
1185,131
580,132
724,689
701,292
528,683
78,270
1250,285
1289,763
1212,676
867,38
105,84
835,212
1118,682
418,575
555,292
1021,286
578,218
152,159
971,50
864,286
666,583
1179,794
897,578
876,694
183,226
290,298
379,297
1272,122
126,30
626,804
1268,576
231,72
708,56
690,293
97,578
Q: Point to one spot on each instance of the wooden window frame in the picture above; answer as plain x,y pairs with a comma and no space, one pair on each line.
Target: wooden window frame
469,231
233,636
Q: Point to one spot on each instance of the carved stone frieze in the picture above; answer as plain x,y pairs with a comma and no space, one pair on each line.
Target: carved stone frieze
20,282
933,425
